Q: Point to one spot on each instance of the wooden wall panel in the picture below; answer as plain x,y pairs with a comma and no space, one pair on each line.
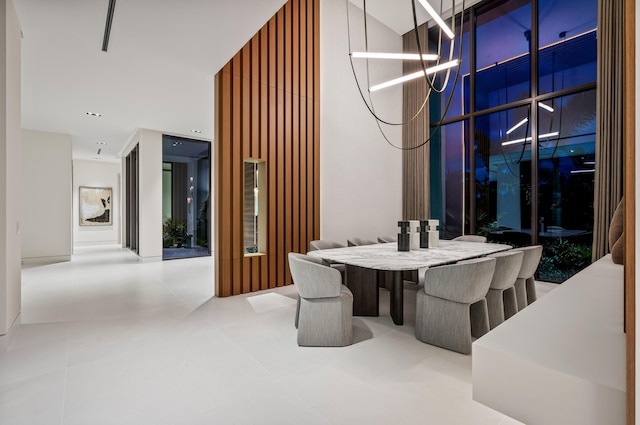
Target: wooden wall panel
268,108
415,175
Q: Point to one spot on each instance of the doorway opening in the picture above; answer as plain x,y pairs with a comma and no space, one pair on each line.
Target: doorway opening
186,183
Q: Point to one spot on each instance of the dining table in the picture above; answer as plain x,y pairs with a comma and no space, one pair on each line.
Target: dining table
386,257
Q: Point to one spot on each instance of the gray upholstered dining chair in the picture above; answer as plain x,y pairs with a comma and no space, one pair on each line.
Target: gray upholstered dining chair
525,284
317,245
355,241
324,244
387,239
470,238
501,298
452,306
326,305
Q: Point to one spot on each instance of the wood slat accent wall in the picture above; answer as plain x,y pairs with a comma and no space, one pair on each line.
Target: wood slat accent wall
267,107
415,162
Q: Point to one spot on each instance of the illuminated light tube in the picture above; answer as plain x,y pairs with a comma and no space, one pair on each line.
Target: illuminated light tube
431,11
582,171
520,124
528,139
403,56
589,163
547,107
415,75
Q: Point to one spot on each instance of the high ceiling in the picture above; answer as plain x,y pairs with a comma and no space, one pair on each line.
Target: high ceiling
158,71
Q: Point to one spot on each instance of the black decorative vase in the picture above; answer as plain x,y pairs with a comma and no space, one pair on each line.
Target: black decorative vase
404,241
424,234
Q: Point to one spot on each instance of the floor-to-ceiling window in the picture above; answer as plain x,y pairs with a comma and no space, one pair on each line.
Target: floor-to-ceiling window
185,197
514,157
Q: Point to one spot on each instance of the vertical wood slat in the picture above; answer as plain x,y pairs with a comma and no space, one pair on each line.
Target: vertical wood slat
267,108
415,179
305,232
630,204
237,175
288,135
271,158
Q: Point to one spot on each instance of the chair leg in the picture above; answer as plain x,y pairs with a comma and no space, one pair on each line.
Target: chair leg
446,324
521,293
510,302
479,318
531,290
495,305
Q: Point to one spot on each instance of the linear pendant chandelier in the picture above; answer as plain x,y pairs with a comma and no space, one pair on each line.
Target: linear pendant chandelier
432,65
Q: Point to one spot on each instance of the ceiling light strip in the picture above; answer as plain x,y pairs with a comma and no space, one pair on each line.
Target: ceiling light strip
515,127
528,139
545,106
431,11
401,56
582,171
415,75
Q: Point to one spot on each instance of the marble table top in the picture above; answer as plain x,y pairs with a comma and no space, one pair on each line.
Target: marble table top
385,256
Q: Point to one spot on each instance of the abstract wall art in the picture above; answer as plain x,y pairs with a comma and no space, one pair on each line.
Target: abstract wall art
95,206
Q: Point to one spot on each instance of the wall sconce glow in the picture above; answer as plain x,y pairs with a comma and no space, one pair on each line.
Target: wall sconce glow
401,56
547,107
94,114
515,127
415,75
528,139
582,171
430,10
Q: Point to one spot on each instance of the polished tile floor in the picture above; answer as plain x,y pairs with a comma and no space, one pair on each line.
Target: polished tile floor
104,339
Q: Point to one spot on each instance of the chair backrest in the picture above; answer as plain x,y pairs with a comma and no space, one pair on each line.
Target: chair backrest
464,282
530,261
312,278
386,239
508,264
323,244
471,238
360,241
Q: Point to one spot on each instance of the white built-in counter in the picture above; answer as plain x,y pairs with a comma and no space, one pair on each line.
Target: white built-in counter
562,359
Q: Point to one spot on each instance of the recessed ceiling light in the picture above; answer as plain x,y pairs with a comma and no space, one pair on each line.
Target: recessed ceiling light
94,114
101,143
196,131
176,144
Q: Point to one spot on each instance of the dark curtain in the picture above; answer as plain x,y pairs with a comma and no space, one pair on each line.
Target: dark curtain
609,127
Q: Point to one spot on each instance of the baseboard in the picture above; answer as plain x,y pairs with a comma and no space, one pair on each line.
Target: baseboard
41,261
5,340
149,259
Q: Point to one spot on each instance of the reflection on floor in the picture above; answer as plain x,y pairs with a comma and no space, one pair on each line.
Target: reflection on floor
194,251
106,339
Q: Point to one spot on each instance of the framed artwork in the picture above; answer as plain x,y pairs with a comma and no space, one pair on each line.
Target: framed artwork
95,206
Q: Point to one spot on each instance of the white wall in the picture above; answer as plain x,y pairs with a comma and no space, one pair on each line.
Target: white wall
96,174
360,174
149,192
11,193
46,222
